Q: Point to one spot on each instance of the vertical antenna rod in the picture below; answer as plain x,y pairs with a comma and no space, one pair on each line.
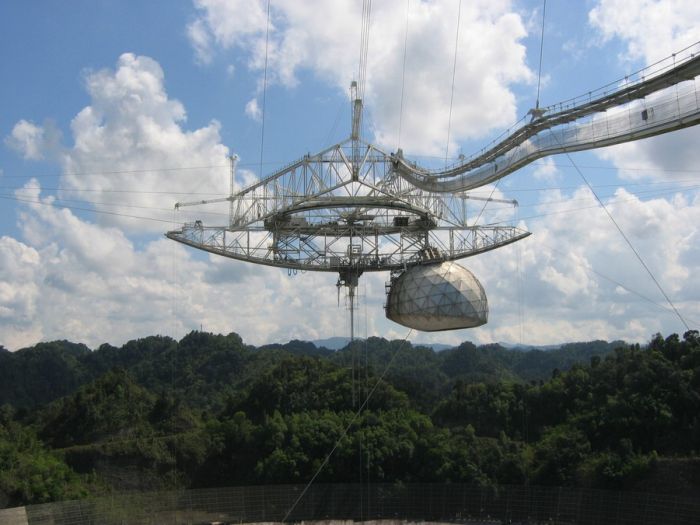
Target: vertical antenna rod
356,128
233,160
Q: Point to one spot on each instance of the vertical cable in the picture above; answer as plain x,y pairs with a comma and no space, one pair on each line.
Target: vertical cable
347,428
403,75
520,291
454,70
539,71
262,131
364,47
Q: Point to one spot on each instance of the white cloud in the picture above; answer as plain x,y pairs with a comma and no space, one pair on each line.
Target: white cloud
28,139
580,279
225,23
651,29
546,170
253,110
200,40
131,153
68,277
20,292
92,282
573,271
72,278
667,157
323,37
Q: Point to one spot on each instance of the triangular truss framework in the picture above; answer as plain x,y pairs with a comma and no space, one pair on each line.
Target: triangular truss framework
345,209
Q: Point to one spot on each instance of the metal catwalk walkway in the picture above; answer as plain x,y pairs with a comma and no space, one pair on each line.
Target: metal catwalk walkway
656,100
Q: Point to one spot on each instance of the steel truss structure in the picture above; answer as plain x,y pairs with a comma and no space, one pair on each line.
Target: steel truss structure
353,208
344,209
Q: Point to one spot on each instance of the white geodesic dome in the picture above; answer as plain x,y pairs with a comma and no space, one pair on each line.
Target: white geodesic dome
434,297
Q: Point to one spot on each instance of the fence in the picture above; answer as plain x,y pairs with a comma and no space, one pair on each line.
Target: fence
453,503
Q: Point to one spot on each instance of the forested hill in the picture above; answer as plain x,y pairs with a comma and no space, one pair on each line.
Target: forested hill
211,411
206,368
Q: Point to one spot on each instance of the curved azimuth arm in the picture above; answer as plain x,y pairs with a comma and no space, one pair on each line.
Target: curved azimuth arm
638,109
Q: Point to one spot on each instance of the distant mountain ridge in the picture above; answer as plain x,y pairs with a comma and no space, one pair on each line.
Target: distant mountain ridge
336,343
204,365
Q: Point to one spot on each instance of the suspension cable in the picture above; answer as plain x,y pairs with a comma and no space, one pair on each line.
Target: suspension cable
264,89
452,93
624,236
403,75
539,71
364,47
347,428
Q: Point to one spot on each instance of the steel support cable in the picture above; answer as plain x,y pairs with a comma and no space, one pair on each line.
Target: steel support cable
347,428
452,92
334,127
520,288
364,47
627,240
575,210
679,182
112,204
541,188
539,69
145,170
652,193
78,208
403,75
264,89
649,193
588,269
483,208
100,190
113,172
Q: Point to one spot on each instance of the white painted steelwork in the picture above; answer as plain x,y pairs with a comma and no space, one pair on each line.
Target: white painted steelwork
353,208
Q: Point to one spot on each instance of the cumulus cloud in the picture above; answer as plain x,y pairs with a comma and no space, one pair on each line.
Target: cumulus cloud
252,109
20,283
651,30
88,280
132,154
667,157
322,37
69,277
201,41
224,23
564,282
546,170
28,139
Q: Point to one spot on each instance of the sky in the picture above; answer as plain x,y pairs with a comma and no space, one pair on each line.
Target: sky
111,111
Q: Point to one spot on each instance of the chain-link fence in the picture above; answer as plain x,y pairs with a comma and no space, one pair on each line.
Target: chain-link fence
454,503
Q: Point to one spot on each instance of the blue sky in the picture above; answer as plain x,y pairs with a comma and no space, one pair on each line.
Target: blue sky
127,107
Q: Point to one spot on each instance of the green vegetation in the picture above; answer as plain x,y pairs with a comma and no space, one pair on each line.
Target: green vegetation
210,411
